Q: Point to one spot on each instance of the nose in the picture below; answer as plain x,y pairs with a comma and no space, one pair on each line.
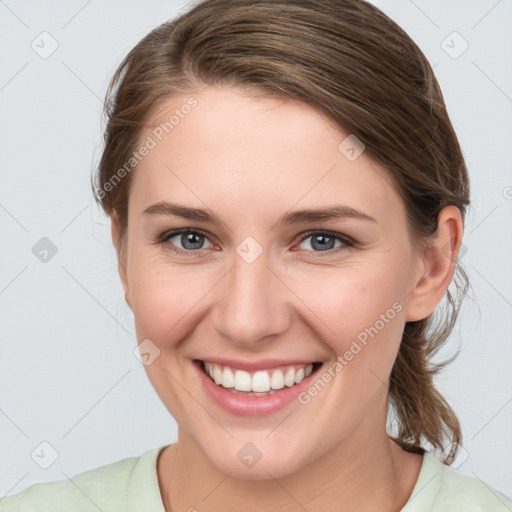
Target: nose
252,306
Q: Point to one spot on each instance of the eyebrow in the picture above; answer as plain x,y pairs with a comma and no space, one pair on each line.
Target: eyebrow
334,212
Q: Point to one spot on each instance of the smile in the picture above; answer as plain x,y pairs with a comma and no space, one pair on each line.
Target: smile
261,382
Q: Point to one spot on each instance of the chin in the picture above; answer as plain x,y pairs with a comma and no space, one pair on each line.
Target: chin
261,459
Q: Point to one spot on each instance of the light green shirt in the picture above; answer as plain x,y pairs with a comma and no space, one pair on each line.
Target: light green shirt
131,485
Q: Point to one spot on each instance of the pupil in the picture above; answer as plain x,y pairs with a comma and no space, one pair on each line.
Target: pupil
189,238
323,244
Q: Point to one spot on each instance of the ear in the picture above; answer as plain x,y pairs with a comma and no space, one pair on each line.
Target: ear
121,256
438,265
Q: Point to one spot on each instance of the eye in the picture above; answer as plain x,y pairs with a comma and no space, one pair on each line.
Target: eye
323,241
191,240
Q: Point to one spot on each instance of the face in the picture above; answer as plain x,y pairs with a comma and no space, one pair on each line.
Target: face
253,289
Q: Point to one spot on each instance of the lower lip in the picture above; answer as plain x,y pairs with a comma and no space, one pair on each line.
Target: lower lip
247,405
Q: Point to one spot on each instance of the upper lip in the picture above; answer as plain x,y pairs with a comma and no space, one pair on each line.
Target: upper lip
253,366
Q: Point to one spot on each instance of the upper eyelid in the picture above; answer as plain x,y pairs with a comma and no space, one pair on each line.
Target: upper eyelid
175,232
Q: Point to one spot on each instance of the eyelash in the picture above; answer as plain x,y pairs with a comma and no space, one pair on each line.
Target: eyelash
164,241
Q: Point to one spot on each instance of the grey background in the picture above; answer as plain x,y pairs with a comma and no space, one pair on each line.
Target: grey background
68,376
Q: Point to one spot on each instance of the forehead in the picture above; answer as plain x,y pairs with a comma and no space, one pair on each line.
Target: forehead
230,146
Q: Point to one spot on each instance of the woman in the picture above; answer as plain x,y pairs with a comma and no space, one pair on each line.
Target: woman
287,198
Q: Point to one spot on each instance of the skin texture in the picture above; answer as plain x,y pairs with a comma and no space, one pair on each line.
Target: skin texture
249,159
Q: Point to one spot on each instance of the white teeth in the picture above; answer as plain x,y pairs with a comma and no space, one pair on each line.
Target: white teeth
228,378
289,378
277,380
262,381
217,374
242,380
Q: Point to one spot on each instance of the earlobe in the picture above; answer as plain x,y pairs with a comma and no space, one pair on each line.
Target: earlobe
439,260
121,263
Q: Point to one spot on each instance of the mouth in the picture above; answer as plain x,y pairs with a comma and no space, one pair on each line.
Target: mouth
263,382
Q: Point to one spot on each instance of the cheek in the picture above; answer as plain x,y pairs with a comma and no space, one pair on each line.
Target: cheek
165,297
359,313
348,298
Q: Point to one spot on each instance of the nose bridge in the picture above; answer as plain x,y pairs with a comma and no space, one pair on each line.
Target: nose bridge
252,306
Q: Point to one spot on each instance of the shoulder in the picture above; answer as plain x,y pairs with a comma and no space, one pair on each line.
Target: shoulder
105,488
440,487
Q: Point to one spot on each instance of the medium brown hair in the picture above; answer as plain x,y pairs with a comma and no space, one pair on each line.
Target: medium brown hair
350,61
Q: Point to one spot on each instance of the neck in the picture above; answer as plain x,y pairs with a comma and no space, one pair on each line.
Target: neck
367,472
